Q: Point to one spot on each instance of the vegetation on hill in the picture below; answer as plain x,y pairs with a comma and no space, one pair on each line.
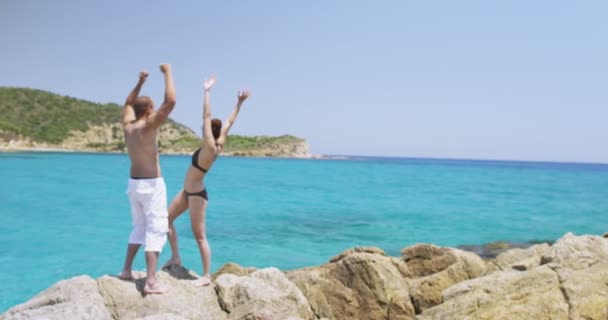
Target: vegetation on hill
67,122
246,143
47,117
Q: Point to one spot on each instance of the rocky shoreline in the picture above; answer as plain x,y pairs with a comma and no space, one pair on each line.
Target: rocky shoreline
564,280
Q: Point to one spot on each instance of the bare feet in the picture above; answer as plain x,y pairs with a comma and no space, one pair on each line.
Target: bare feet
173,262
156,289
128,276
202,281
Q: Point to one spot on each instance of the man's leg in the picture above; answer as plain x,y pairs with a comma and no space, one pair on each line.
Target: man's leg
152,286
157,226
126,273
136,238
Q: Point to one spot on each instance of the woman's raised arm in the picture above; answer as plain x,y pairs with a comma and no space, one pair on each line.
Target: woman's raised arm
241,97
207,133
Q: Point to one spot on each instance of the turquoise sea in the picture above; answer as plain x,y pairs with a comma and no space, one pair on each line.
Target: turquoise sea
66,214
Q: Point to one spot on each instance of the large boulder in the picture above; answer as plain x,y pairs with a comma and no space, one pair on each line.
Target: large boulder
232,268
125,299
506,295
569,280
586,291
434,269
359,283
75,298
518,259
576,252
262,294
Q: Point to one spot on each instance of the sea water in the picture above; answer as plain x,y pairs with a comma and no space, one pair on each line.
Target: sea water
67,214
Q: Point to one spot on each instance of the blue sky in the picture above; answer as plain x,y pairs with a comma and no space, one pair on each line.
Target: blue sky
513,79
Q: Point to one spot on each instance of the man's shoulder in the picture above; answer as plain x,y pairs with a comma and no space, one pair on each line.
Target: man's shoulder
142,126
135,125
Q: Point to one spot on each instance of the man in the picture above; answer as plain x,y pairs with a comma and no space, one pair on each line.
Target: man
146,190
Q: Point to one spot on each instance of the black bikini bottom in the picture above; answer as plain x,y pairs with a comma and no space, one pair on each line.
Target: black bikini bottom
202,194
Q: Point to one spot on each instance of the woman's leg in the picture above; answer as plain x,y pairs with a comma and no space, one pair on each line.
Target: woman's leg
176,208
198,206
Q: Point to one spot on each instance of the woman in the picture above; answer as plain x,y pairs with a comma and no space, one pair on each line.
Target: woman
194,195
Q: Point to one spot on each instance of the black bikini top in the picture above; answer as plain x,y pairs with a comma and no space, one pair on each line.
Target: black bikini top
195,161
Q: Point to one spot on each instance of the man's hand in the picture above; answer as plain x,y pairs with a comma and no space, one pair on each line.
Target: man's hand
165,67
243,95
143,76
209,83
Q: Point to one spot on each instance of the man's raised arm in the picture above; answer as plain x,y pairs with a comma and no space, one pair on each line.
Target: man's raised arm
158,117
129,113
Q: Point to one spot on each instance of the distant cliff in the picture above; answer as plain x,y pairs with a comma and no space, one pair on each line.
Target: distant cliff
40,120
264,146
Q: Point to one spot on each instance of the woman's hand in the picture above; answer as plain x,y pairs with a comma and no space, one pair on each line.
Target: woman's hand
243,95
208,83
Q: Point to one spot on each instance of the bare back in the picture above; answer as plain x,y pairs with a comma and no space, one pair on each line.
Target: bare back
206,158
143,150
212,144
141,131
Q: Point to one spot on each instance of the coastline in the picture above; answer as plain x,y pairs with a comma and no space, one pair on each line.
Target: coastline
58,149
53,148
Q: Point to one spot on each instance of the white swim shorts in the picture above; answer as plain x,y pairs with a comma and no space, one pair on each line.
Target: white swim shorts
148,198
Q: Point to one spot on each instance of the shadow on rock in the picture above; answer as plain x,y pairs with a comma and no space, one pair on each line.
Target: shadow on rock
179,272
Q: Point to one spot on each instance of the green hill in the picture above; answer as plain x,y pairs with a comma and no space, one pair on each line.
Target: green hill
47,117
36,118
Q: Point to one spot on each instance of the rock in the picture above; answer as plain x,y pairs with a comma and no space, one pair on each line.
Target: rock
568,280
263,294
178,272
492,250
518,259
436,269
232,268
345,253
586,291
575,252
126,301
75,298
534,294
571,283
422,251
359,284
425,259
